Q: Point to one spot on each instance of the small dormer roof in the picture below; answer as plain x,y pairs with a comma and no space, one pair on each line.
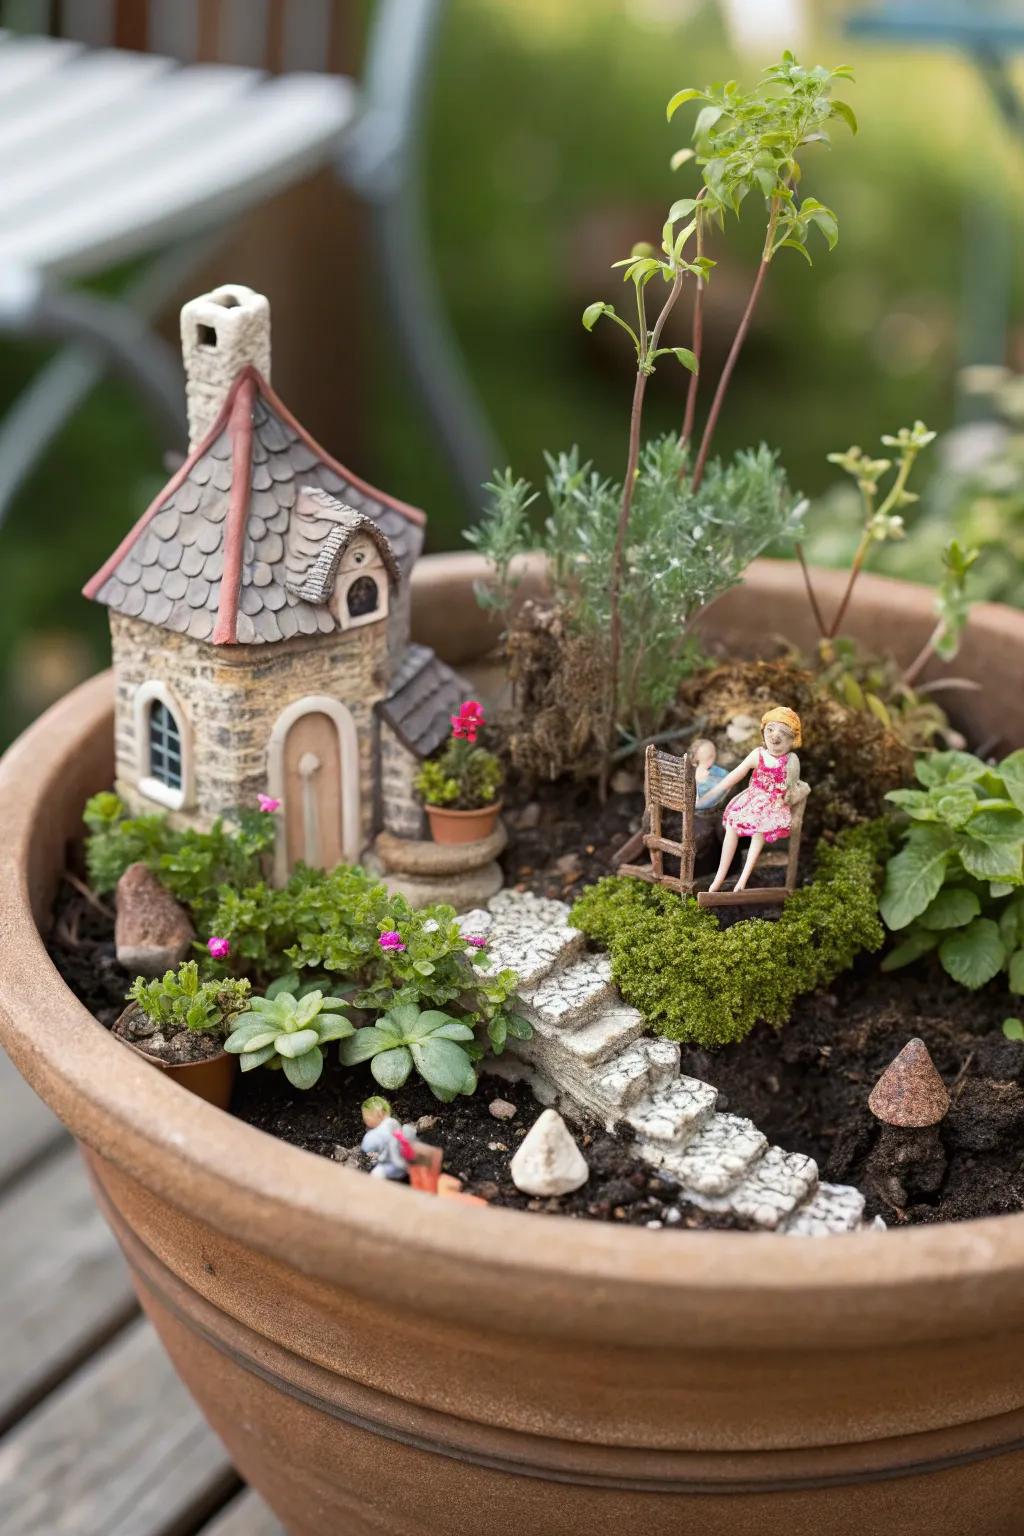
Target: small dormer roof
210,557
322,529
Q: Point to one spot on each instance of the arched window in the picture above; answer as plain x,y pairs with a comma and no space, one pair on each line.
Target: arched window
163,746
363,597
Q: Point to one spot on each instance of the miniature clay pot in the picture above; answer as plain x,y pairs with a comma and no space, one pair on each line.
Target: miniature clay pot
212,1079
462,826
616,1379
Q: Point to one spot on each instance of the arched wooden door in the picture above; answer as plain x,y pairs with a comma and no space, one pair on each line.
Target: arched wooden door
313,769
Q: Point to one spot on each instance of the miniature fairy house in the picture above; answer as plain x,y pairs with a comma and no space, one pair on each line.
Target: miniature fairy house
259,614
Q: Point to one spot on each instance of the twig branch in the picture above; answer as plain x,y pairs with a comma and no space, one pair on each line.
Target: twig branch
812,597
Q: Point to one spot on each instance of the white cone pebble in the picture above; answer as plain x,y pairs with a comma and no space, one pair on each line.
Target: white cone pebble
549,1162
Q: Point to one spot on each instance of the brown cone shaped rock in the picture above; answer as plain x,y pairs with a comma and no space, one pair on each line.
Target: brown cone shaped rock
910,1091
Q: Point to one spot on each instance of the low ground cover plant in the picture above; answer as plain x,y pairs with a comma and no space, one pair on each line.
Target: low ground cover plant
956,886
695,981
182,1000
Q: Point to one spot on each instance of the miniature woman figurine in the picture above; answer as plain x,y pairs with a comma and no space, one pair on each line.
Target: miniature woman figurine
763,811
386,1140
709,773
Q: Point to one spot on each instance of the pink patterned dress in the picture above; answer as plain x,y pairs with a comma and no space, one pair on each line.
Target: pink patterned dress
761,807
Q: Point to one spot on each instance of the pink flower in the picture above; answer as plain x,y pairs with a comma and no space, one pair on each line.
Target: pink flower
268,803
392,939
476,939
468,720
219,948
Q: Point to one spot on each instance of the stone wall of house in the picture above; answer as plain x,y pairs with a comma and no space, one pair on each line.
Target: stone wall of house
232,696
401,813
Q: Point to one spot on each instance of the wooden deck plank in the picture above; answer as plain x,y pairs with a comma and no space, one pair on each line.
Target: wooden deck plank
64,1283
246,1515
118,1450
27,1128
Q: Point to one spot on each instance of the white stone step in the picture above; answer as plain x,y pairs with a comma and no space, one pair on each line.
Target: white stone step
620,1082
610,1031
663,1056
832,1208
775,1186
717,1158
542,911
570,996
675,1113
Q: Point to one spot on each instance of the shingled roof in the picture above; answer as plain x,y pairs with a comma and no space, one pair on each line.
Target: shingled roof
210,556
425,693
321,530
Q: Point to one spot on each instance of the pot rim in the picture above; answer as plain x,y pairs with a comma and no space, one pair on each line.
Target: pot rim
447,810
548,1276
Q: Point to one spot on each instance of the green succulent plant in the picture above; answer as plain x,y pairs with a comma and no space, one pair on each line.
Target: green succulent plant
408,1037
289,1029
179,1000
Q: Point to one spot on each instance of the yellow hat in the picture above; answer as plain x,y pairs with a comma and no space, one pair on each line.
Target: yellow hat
787,717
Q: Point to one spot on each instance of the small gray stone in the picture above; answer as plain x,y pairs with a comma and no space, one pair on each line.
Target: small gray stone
549,1162
501,1109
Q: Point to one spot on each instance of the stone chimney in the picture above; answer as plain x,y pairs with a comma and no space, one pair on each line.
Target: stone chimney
221,332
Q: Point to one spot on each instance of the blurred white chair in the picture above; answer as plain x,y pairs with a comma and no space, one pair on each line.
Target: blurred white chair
109,156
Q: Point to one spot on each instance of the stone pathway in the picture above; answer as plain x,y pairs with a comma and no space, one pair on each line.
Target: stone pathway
589,1052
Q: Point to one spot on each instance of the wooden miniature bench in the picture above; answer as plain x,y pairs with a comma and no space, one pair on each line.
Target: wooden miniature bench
670,785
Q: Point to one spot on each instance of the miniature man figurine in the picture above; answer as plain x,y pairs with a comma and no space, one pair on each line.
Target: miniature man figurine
386,1140
763,812
709,773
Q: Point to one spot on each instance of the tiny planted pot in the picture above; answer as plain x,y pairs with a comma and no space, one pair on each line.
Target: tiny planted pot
447,826
212,1078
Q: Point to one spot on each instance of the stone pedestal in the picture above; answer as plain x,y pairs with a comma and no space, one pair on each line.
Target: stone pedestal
463,874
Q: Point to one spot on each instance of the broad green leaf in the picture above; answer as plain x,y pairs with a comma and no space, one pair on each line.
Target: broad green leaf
853,693
593,313
948,768
990,861
973,955
680,99
335,1029
423,967
878,709
297,1044
955,804
916,803
251,1059
243,1038
845,111
399,1021
333,1004
391,1068
1011,922
914,877
917,943
453,1030
308,1008
681,208
796,245
289,983
1011,771
430,1020
1013,1029
364,1044
997,826
442,1063
686,357
521,1028
304,1071
707,117
1017,971
681,157
951,908
497,1031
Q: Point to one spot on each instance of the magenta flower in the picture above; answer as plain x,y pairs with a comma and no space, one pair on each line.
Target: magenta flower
476,939
468,720
268,803
392,939
219,948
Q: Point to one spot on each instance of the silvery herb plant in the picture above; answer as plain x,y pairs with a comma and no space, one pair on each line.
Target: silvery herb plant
957,885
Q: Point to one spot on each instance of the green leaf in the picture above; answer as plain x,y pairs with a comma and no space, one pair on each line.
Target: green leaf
686,357
442,1063
917,943
680,99
296,1044
289,983
914,877
251,1059
391,1068
243,1038
1017,972
593,313
1013,1029
973,955
423,967
399,1021
948,768
364,1044
707,117
878,709
519,1027
952,908
681,157
1011,771
955,805
1011,922
916,802
796,245
997,826
335,1029
990,861
304,1071
845,111
680,208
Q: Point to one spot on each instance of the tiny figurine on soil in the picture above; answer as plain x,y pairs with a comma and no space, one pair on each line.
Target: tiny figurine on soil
709,771
763,812
386,1140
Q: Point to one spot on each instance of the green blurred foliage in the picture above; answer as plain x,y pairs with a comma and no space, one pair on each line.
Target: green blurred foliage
547,144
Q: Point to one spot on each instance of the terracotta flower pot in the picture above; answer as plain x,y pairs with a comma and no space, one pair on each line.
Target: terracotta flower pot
381,1360
212,1080
462,826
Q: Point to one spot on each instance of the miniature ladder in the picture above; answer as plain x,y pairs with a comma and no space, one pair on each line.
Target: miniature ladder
669,785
